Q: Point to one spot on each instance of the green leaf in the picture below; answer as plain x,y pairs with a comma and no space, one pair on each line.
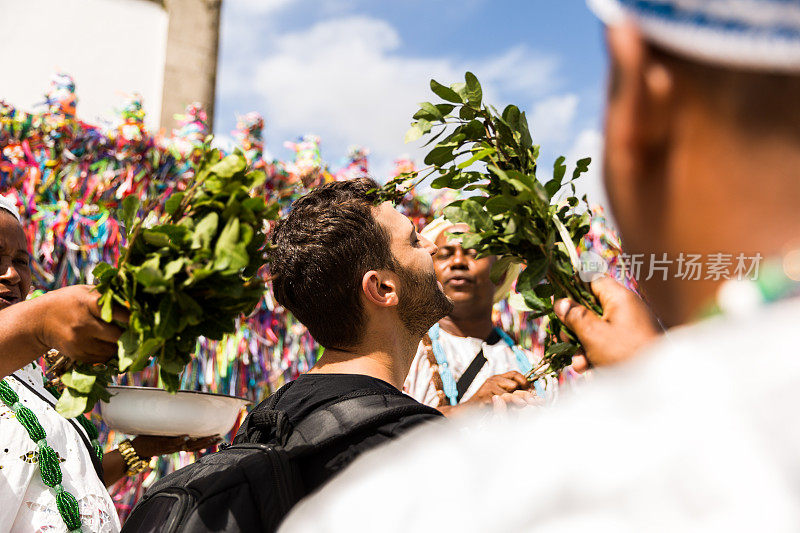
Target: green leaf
174,266
155,238
79,382
103,273
173,202
432,112
535,304
229,166
473,90
581,166
460,88
170,381
445,93
524,130
130,205
478,156
533,274
470,241
562,348
482,219
126,349
229,253
559,169
500,267
439,155
446,180
413,133
106,303
166,319
70,406
499,204
205,231
466,113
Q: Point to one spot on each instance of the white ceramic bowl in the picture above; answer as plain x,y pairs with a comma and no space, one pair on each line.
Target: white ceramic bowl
151,411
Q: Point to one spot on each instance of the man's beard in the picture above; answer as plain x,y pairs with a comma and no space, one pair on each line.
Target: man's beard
422,303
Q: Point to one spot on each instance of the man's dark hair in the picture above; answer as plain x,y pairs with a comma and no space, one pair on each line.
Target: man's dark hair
320,253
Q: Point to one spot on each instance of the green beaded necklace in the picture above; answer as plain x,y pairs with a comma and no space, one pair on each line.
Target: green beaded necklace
49,466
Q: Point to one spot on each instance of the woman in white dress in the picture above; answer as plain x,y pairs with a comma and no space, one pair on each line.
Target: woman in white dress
68,320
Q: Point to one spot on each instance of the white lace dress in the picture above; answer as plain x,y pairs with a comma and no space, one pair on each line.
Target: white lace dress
28,505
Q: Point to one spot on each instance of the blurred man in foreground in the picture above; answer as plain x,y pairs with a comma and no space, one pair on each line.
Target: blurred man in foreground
702,151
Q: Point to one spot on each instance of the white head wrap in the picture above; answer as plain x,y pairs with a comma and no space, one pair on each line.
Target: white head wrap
748,34
437,226
9,206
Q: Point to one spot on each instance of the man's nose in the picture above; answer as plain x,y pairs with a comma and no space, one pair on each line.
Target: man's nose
9,274
428,245
459,257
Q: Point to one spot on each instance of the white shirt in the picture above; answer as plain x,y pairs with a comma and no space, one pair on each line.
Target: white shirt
460,352
700,433
27,505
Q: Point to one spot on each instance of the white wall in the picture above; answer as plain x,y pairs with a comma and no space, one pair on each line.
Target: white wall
112,48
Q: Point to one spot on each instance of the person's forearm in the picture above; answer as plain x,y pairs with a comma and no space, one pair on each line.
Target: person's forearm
456,410
19,336
114,467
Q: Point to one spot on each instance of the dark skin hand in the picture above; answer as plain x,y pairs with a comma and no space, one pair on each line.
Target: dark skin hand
146,447
66,319
627,325
501,385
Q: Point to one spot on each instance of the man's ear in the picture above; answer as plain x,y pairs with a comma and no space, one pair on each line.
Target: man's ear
380,288
641,96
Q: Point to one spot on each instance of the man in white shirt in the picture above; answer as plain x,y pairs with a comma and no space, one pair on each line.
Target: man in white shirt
702,147
465,360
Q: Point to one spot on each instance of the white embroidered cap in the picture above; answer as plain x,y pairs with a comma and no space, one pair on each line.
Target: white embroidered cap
748,34
9,206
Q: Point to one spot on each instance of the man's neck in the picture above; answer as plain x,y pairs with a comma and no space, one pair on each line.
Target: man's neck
389,362
477,327
711,219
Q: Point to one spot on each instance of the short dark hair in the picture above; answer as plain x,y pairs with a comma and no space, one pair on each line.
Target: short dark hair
320,253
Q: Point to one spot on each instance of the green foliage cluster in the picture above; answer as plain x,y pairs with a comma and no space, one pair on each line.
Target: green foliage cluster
516,217
192,272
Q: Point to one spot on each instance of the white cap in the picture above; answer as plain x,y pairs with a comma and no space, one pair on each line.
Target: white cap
747,34
10,206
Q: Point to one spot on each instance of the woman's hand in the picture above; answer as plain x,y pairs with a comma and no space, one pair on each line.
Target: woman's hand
147,446
70,322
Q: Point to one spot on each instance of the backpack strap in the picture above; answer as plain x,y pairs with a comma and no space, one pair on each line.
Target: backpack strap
351,414
265,423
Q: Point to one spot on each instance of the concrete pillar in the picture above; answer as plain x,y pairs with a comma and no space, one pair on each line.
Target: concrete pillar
190,69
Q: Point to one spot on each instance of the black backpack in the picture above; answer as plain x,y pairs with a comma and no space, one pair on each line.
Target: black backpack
250,485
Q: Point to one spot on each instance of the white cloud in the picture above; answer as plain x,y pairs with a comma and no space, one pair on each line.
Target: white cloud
589,143
343,79
552,118
260,6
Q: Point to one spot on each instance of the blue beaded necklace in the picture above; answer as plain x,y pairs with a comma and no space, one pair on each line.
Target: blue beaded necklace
448,381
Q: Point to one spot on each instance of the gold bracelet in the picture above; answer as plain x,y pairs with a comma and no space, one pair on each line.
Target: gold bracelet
133,462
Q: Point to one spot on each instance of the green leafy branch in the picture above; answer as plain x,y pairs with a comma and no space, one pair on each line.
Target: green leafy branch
512,215
191,272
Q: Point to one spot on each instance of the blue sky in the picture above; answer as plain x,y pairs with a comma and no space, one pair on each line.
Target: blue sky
352,71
